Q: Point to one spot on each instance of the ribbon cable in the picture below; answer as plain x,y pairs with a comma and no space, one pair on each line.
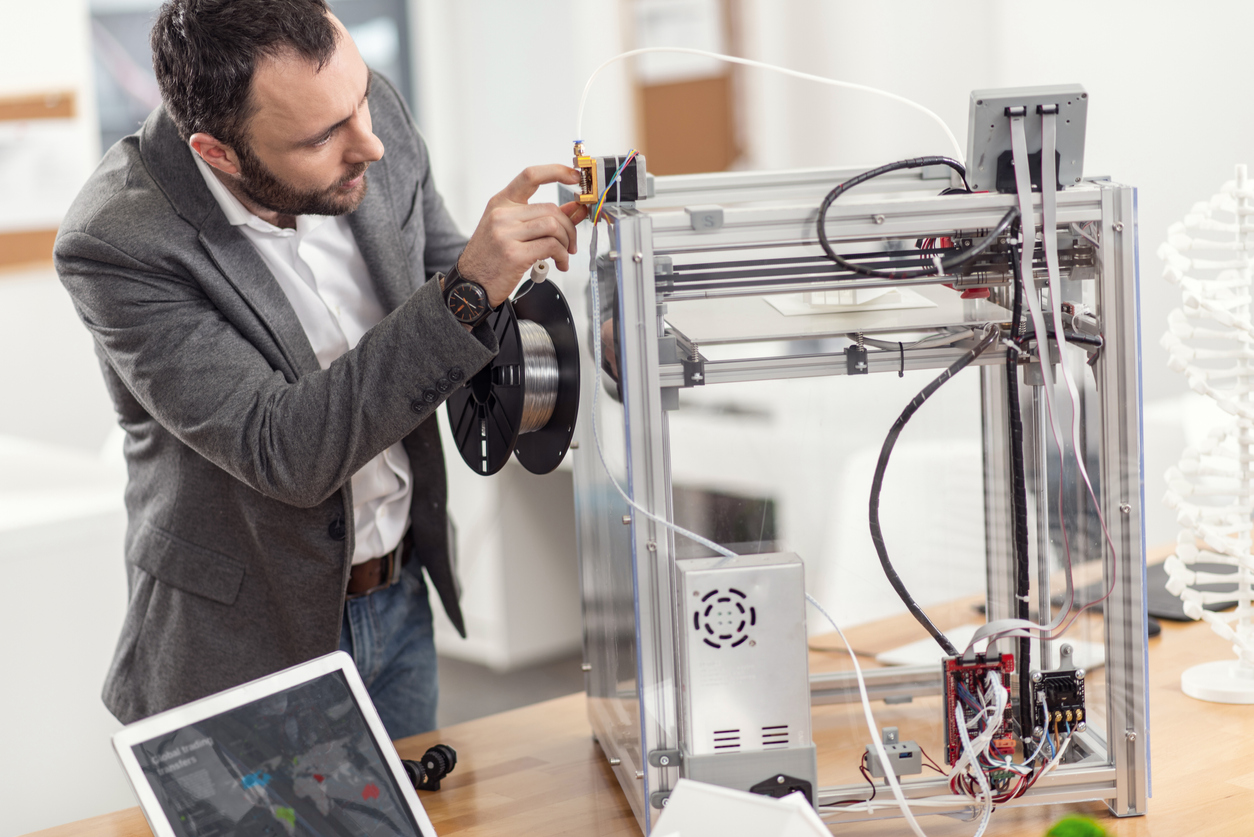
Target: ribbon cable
1049,211
1049,236
1023,187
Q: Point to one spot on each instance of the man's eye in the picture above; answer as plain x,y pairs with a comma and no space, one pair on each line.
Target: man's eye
324,140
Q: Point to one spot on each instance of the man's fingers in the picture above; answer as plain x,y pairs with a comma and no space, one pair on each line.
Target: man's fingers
546,248
547,227
522,187
541,219
575,211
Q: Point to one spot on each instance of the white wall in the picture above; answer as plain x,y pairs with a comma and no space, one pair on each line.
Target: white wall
498,85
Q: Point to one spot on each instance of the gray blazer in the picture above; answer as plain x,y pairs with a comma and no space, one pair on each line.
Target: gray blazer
239,446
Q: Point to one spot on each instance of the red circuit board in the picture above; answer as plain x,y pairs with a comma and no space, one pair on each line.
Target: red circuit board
970,674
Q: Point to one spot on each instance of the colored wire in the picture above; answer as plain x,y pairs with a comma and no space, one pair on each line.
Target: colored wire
865,775
731,59
596,216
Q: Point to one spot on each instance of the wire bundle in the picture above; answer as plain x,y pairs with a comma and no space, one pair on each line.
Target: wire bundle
941,264
985,773
596,216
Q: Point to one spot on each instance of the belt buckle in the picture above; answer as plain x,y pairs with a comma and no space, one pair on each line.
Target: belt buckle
394,562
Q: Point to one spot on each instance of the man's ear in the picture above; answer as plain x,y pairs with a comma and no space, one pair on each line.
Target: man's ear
217,154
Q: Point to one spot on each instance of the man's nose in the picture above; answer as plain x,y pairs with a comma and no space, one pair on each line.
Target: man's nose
366,147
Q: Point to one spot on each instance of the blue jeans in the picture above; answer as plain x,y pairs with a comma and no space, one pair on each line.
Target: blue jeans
388,634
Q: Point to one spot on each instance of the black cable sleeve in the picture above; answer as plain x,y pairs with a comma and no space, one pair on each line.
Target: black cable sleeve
956,259
1084,339
1019,508
990,338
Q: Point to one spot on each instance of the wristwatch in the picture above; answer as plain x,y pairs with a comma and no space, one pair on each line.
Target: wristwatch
466,298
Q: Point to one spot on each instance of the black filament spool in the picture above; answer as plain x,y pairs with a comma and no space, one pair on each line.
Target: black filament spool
486,413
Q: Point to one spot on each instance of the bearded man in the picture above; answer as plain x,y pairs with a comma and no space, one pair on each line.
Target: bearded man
279,308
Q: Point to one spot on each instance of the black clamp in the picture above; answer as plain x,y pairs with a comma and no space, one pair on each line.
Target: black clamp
694,373
856,361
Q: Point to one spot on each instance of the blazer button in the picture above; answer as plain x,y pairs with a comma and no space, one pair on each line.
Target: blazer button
417,406
430,396
455,374
336,530
443,385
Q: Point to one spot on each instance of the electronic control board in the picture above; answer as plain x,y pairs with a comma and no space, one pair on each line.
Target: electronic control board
965,680
1059,697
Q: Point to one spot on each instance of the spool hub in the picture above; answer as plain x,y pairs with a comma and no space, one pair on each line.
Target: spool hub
525,401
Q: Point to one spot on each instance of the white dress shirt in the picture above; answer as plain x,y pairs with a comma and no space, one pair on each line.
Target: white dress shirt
321,271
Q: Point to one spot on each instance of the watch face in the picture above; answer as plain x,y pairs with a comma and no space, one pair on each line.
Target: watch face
468,302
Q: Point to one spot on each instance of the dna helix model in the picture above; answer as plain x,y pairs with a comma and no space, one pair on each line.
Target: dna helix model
1210,338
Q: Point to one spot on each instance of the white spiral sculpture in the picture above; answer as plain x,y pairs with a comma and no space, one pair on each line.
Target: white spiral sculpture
1210,256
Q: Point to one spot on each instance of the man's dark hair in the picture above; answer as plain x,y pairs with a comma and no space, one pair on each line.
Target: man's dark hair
205,52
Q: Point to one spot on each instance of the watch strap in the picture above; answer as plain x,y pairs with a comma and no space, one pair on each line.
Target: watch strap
451,281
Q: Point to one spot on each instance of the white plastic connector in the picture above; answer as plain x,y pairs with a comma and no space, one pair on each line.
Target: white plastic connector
906,757
539,271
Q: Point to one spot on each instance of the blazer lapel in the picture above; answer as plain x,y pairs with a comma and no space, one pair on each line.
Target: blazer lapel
243,268
378,235
170,161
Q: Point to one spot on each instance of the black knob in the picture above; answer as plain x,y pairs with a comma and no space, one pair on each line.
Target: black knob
435,764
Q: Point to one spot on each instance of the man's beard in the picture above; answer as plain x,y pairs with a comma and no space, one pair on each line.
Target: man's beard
264,188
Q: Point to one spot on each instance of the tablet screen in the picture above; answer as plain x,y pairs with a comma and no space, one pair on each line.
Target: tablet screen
298,762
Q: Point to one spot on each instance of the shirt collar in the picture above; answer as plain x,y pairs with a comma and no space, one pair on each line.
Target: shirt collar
239,215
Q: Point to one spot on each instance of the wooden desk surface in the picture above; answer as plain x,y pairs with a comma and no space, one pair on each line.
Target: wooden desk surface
536,770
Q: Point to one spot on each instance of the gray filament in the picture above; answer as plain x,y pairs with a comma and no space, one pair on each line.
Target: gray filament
539,376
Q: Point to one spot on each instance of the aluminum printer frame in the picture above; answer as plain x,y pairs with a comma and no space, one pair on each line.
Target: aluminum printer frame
631,580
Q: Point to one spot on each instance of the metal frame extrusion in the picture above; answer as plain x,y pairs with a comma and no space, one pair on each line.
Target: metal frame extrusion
632,668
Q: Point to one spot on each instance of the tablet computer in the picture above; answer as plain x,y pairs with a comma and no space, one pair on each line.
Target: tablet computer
300,752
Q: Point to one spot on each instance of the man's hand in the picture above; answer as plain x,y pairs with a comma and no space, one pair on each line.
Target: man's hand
513,234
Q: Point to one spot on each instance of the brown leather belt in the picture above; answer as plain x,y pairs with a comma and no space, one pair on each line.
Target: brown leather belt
377,573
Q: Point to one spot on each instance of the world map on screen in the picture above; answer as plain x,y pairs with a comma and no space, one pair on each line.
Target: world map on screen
299,762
